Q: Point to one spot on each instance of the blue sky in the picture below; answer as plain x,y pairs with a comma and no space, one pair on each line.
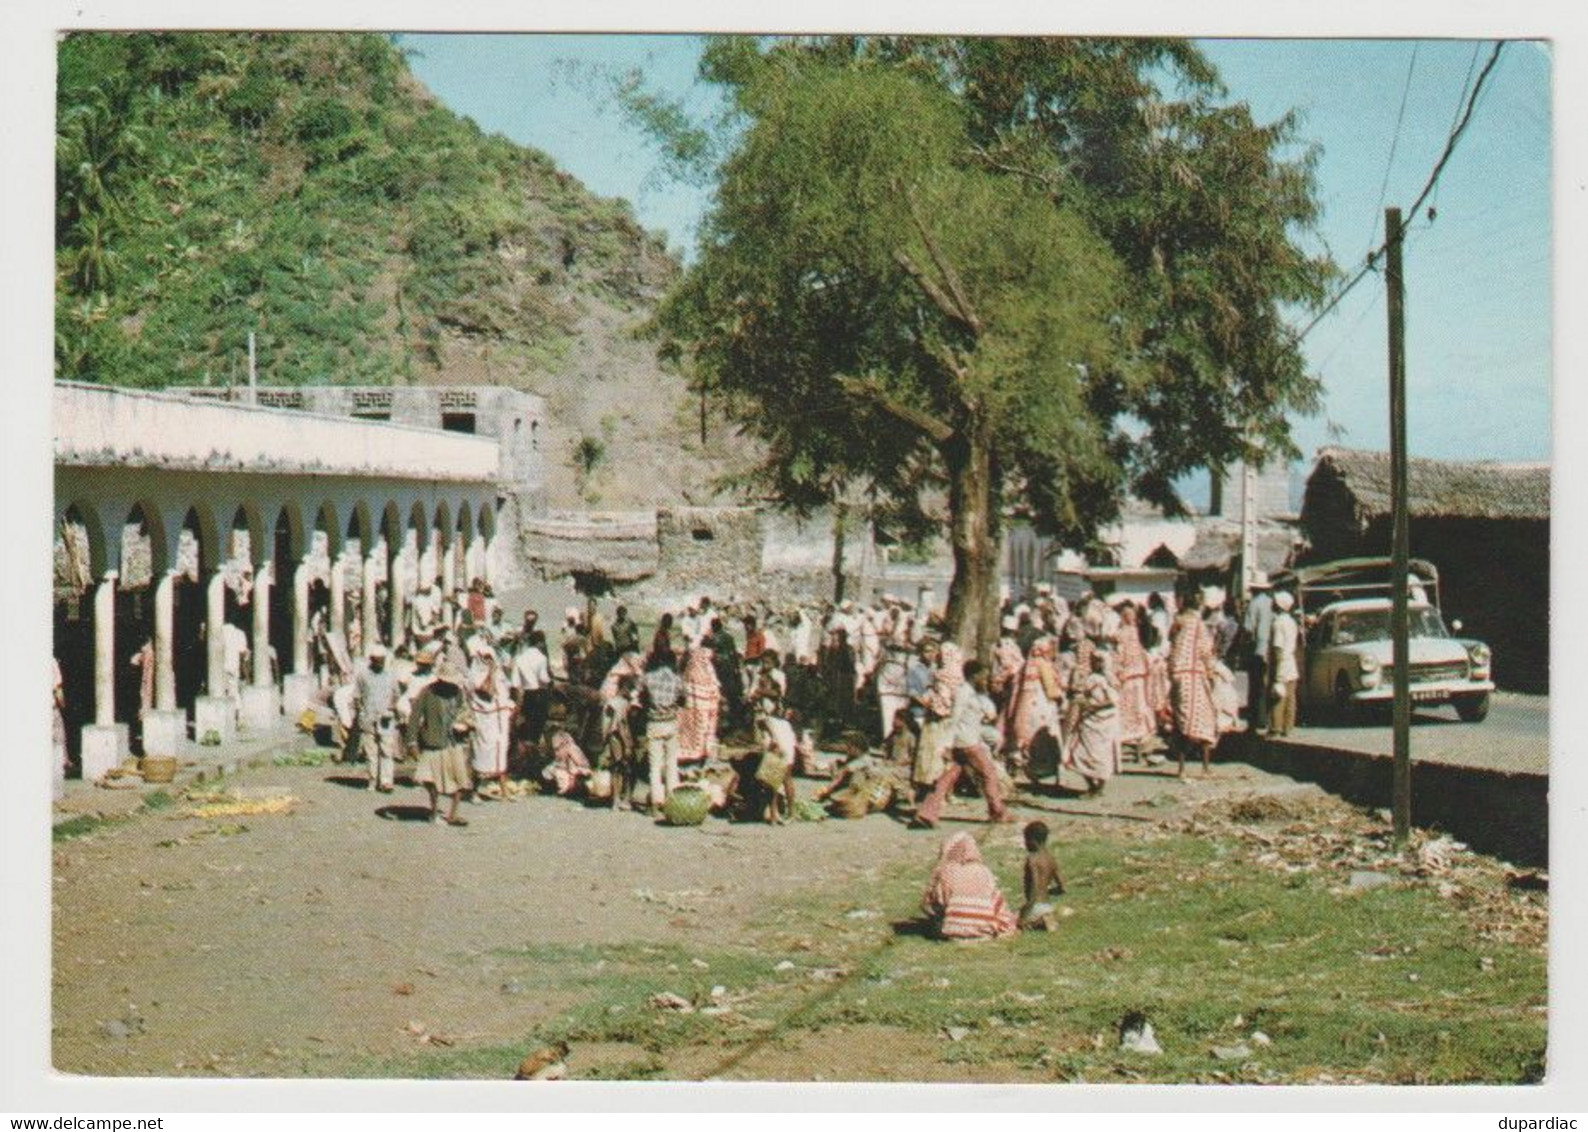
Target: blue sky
1478,276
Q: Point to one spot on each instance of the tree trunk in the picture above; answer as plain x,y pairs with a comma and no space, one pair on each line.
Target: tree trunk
973,594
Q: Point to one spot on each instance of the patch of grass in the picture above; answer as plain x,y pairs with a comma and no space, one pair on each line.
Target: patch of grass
1388,985
1384,985
81,826
157,800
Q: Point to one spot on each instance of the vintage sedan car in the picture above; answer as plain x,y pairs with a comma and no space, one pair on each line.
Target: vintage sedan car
1347,661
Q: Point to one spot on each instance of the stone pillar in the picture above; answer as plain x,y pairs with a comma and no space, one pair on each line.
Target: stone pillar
297,687
214,714
487,564
394,590
371,605
105,742
429,567
261,708
165,726
339,593
449,568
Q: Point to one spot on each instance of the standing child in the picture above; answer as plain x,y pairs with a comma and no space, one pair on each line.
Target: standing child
1041,880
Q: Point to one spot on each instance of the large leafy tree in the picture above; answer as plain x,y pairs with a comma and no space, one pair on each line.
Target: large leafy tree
876,306
1015,270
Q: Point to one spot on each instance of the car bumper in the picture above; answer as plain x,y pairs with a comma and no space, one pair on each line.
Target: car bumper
1439,691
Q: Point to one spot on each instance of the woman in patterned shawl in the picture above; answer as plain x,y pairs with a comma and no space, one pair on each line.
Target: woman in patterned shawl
1137,721
697,722
1037,701
1191,670
962,899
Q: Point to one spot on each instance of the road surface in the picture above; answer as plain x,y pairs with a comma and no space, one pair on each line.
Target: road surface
1513,740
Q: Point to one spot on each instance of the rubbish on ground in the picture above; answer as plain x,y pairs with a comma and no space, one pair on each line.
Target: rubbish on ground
237,803
548,1064
957,1033
785,965
1136,1036
1240,1051
667,1000
1362,879
1261,1039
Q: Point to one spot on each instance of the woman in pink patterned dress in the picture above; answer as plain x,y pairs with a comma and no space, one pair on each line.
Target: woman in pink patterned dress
697,722
1191,669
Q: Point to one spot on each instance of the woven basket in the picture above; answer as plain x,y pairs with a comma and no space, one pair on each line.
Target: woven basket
688,805
159,768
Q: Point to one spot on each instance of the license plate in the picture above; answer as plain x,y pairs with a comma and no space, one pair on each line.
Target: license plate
1426,697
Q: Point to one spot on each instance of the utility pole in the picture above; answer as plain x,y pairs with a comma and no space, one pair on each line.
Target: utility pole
1248,528
1400,540
253,373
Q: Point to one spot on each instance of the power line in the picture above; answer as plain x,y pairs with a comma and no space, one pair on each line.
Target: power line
1433,179
1395,141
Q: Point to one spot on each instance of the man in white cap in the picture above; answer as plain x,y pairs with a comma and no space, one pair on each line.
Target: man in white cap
375,716
1285,672
1258,625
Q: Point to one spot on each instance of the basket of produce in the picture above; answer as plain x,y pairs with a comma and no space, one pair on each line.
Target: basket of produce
687,805
159,768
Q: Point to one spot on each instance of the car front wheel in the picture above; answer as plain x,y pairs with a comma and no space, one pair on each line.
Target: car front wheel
1472,708
1345,708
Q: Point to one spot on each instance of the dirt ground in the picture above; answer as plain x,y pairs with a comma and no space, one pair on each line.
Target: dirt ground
285,944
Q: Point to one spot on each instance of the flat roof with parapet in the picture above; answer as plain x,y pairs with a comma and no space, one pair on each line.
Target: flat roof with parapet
104,426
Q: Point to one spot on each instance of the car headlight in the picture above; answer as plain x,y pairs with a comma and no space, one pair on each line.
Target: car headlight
1369,672
1479,655
1367,663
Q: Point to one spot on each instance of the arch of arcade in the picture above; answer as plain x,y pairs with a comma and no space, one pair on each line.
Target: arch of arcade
176,518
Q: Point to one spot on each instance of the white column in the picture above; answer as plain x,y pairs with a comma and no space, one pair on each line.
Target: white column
429,567
487,554
105,651
261,707
449,567
105,742
372,559
394,590
297,686
214,714
339,593
164,726
261,636
164,629
300,617
214,635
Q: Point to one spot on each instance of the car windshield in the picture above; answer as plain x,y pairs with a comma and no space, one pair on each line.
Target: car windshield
1374,625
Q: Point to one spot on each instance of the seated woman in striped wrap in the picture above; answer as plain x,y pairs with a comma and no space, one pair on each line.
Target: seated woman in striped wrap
963,900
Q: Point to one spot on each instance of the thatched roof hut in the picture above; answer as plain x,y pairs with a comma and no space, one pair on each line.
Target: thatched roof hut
1484,525
1218,547
620,547
1351,487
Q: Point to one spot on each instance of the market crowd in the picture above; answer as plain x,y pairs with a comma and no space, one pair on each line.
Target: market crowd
730,705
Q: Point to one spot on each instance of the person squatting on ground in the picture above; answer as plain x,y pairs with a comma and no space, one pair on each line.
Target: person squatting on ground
1041,880
962,899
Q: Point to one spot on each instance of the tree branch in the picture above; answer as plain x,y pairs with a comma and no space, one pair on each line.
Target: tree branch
967,313
935,430
940,298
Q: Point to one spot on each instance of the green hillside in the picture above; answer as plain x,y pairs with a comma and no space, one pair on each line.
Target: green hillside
307,187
